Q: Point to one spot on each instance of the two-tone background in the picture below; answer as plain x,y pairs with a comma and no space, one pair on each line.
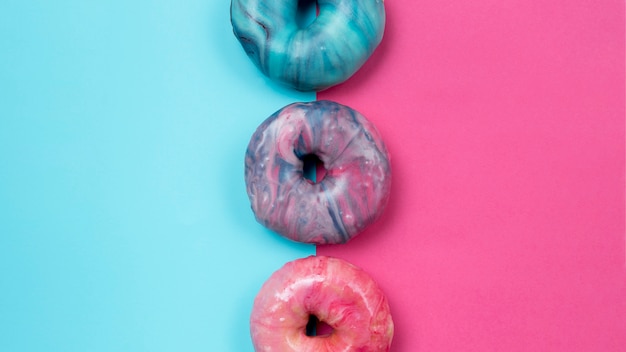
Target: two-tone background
124,223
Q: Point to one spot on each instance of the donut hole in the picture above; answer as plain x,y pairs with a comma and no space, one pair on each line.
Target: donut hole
316,327
313,169
306,12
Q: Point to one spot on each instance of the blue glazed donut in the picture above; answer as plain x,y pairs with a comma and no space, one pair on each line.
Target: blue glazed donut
325,53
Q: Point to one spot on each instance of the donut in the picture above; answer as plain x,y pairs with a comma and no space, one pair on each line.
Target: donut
334,291
351,196
325,53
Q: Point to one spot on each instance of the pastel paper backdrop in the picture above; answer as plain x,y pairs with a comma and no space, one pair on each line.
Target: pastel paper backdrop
124,223
505,122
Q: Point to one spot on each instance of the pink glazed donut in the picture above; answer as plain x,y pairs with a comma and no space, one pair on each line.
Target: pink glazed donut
337,293
351,196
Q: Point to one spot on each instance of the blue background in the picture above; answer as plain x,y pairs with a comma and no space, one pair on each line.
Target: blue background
124,222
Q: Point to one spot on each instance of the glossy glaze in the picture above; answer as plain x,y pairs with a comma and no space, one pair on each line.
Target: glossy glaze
351,196
335,291
326,52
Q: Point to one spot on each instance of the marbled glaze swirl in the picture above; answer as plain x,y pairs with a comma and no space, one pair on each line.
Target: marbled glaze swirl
326,52
350,197
336,292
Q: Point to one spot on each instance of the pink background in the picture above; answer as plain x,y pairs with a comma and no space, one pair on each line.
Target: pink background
505,121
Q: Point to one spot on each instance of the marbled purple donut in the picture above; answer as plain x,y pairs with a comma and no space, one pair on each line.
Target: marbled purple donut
350,197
